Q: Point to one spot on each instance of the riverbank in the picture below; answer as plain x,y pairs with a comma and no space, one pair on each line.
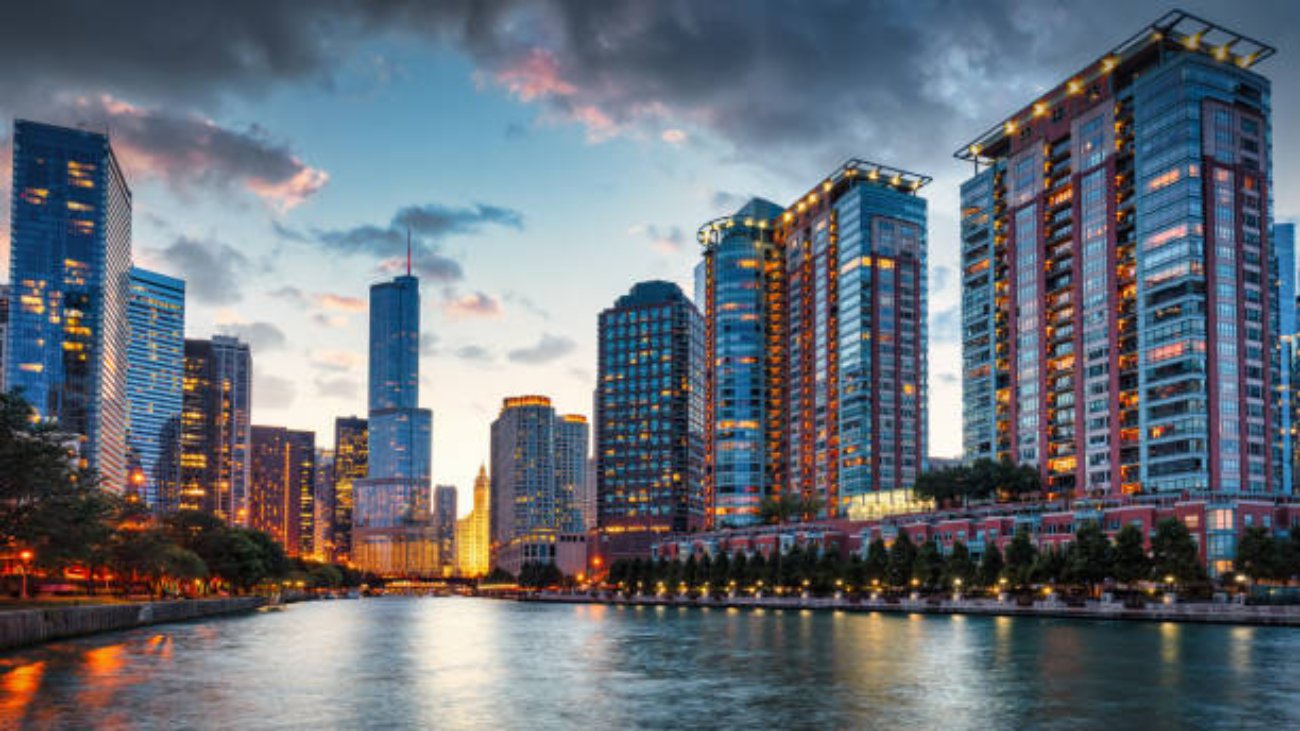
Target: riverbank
1196,613
23,627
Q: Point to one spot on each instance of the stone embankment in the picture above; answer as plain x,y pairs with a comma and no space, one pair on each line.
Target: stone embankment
20,627
1194,612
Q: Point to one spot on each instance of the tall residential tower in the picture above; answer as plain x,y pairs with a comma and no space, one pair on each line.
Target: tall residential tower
154,376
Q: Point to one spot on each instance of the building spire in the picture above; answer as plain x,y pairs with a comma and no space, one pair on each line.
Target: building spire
408,251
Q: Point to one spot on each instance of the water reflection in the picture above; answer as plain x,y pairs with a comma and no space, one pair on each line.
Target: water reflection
459,663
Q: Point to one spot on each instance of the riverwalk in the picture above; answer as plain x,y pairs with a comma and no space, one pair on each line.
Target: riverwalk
21,627
1191,612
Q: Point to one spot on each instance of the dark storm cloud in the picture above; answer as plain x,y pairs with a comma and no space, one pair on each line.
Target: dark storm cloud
213,271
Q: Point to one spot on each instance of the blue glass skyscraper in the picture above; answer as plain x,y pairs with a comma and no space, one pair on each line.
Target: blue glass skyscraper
391,518
70,258
155,371
1285,315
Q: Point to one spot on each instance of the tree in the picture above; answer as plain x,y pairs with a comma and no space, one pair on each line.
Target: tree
959,566
235,557
779,509
1051,565
1020,557
902,558
1131,561
1091,558
1259,555
928,566
990,565
876,566
1174,553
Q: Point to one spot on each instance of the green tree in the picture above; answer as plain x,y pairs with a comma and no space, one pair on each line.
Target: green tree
1019,559
902,558
1259,555
959,566
1091,558
1131,561
990,564
928,566
779,508
876,565
1174,553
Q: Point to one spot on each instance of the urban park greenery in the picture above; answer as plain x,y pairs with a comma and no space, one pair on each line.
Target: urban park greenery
60,524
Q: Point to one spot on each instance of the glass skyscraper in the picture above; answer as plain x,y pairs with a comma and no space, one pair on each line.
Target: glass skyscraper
351,452
815,328
1284,295
1118,313
444,527
70,262
154,375
650,412
537,457
282,486
391,517
215,431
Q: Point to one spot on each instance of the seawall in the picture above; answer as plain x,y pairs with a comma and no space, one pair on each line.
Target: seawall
1196,613
22,627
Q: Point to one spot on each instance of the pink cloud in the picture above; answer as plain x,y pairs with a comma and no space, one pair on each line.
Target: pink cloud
339,303
536,76
476,304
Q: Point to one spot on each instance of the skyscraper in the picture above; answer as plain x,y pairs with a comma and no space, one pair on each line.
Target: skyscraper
473,532
535,458
70,258
215,429
392,530
650,412
815,327
323,506
1115,252
351,451
1285,401
444,527
4,332
155,371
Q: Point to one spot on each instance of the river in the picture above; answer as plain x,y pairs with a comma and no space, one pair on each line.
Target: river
477,663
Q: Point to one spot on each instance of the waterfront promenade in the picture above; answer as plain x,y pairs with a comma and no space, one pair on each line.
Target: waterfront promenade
1156,611
22,627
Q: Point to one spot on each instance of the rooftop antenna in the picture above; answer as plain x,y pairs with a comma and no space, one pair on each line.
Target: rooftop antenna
408,252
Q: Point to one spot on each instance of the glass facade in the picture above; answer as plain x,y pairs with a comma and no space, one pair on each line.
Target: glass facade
282,487
216,434
444,525
537,457
391,518
816,332
1284,294
1118,286
155,370
70,262
650,412
351,453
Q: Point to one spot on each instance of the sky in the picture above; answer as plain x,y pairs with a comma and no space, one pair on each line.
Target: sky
545,156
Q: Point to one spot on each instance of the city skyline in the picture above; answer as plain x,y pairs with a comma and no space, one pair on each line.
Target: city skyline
495,243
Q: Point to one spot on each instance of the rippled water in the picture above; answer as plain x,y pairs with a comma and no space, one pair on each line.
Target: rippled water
469,663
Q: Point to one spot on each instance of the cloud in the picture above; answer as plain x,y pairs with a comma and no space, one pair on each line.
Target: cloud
336,361
673,136
288,293
213,271
548,348
476,353
475,304
341,388
260,336
428,344
666,240
429,225
945,325
526,303
272,392
190,151
339,302
334,322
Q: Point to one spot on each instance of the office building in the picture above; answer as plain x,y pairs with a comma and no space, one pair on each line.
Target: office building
215,430
392,530
536,458
351,451
4,332
282,486
154,376
650,412
473,531
444,527
1285,401
815,327
323,506
1116,257
69,265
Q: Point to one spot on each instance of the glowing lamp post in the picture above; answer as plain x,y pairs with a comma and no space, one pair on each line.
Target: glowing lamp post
25,557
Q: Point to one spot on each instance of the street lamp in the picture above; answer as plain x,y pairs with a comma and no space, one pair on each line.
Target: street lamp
26,555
